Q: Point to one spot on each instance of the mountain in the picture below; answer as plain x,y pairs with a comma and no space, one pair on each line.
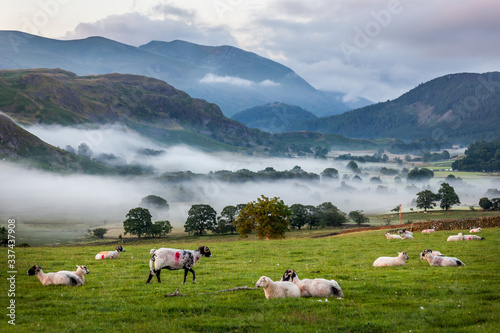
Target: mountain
19,145
273,118
456,108
232,78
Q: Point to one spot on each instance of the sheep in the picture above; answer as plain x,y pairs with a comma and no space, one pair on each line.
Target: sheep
478,229
313,287
442,261
80,272
110,254
434,253
64,278
404,231
173,259
428,231
473,237
279,289
400,260
389,236
454,238
406,236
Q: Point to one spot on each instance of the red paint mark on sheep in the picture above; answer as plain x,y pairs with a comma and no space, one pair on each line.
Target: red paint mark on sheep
177,256
102,257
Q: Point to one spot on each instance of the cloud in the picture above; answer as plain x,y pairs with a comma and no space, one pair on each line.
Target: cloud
236,81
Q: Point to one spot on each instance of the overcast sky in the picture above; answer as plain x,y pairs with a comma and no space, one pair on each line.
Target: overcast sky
377,49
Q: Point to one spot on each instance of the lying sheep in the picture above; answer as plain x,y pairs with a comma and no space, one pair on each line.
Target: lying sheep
173,259
404,231
280,289
428,231
64,278
434,253
442,261
400,260
472,237
406,236
314,287
455,238
389,236
110,254
478,229
80,272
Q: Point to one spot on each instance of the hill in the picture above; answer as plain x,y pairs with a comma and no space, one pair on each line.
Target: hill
458,108
18,145
232,78
273,117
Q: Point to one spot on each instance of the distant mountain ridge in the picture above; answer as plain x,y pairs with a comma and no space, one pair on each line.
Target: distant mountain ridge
273,117
456,108
232,78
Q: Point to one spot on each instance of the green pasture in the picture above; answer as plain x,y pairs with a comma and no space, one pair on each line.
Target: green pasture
115,297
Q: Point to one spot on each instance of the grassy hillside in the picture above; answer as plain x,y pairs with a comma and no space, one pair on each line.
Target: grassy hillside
458,108
415,297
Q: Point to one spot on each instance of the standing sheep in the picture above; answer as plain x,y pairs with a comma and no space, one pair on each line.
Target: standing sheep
389,236
473,237
400,260
313,287
173,259
443,261
455,238
280,289
110,254
68,279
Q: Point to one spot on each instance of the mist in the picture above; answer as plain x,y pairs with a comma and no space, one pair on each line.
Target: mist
60,205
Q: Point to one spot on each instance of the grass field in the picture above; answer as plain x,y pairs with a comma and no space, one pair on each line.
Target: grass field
115,297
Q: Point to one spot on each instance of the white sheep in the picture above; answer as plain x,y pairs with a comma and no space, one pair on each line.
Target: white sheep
110,254
80,272
313,287
434,253
442,261
400,260
473,237
428,231
478,229
279,289
68,279
174,259
455,238
389,236
406,236
404,231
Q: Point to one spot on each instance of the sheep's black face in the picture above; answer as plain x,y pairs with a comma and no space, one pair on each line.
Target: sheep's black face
120,248
205,251
33,270
288,275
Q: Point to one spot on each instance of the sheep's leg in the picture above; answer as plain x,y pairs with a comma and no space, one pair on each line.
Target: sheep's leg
150,277
158,276
194,277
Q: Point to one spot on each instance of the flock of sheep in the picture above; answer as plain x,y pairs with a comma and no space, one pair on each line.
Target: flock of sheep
289,286
434,258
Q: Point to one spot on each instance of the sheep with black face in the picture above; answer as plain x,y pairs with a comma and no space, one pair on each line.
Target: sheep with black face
174,259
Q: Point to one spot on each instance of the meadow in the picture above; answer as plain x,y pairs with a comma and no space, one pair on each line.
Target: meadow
115,297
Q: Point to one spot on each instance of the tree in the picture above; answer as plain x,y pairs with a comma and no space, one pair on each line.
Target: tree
422,175
330,173
201,218
485,203
161,228
138,222
426,199
84,150
154,202
100,232
269,217
447,196
353,166
225,221
330,215
300,216
358,217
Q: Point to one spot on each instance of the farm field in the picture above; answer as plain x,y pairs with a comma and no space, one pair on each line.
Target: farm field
115,297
